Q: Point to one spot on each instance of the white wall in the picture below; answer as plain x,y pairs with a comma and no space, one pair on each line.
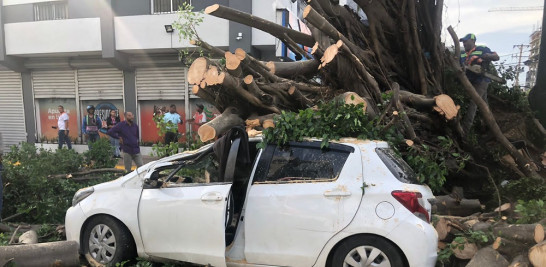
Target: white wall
268,10
53,36
148,32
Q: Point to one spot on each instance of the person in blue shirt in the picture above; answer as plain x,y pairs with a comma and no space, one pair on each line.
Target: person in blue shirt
91,125
172,128
476,55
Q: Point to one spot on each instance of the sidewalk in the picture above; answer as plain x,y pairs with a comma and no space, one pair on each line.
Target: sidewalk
145,159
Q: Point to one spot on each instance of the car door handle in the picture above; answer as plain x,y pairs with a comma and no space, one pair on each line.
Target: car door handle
337,193
212,196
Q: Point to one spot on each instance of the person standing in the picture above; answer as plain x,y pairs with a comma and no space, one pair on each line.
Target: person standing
199,118
476,55
127,133
172,119
62,126
110,123
91,126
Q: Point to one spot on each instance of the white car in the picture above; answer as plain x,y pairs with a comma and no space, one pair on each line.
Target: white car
353,204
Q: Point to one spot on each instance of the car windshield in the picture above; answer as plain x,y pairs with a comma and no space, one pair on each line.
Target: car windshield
398,167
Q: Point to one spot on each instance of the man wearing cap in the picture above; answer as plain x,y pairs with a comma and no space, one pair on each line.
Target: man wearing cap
476,55
91,125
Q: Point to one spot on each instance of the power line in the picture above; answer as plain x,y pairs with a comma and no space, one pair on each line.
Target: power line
521,8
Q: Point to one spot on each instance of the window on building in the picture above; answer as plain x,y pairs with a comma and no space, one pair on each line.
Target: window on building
51,10
167,6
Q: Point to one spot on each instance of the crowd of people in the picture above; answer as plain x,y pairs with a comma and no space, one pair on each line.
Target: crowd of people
124,135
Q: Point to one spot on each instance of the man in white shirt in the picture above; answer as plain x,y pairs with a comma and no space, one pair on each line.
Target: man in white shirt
199,118
62,125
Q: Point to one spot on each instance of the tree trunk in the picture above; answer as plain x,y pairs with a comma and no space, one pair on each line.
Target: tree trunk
537,254
509,248
487,257
259,23
306,68
63,253
526,233
219,125
467,251
447,205
520,261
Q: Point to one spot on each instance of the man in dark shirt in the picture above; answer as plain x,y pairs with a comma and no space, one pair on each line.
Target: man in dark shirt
476,55
127,133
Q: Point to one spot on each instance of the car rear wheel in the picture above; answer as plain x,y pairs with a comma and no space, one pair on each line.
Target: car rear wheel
107,241
367,251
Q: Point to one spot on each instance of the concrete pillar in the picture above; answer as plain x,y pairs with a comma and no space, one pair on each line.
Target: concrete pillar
129,91
28,103
240,36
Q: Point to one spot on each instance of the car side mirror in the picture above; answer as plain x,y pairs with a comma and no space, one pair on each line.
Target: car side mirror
151,183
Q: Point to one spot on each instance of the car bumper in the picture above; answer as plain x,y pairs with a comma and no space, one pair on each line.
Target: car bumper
417,243
74,221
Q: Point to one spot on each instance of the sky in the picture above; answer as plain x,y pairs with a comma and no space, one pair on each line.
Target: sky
500,31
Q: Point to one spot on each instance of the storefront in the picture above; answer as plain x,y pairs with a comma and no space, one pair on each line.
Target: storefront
75,90
12,121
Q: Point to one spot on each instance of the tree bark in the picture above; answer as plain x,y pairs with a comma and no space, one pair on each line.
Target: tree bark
467,251
219,125
63,253
520,261
487,257
537,254
447,205
306,68
509,248
259,23
526,233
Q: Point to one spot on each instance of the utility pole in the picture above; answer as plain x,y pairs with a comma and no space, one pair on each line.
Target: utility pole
520,46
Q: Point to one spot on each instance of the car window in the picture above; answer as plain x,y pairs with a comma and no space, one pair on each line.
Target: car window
301,163
200,171
398,167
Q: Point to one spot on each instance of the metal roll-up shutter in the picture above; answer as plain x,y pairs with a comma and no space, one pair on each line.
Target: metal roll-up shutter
12,114
160,83
54,84
100,84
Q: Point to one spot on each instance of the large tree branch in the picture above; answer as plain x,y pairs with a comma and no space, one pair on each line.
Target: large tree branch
259,23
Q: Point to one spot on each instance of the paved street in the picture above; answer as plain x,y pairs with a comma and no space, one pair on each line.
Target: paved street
145,159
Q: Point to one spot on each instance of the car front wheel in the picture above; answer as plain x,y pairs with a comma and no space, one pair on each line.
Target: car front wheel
367,251
107,241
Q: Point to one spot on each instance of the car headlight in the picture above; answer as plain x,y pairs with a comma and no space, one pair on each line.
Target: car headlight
81,195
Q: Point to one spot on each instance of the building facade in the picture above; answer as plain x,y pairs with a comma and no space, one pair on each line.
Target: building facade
532,62
113,54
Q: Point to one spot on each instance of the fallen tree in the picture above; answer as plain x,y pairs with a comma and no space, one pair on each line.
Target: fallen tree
381,62
413,92
485,240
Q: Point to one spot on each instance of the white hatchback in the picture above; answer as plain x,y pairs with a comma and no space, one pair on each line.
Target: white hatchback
355,203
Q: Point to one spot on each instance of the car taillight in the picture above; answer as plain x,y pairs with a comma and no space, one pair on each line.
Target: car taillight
410,200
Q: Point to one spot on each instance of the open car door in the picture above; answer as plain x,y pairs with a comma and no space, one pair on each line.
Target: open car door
185,220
